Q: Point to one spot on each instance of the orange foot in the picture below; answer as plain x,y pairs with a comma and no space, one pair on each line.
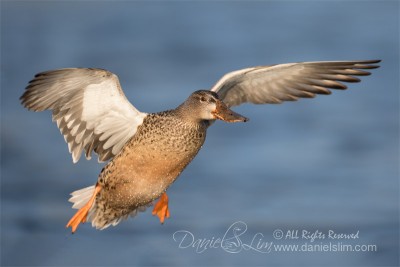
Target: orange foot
161,208
81,215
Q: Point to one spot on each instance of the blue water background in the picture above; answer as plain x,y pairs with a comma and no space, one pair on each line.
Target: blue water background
330,163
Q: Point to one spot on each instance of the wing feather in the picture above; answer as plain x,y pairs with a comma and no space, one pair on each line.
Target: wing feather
288,82
89,107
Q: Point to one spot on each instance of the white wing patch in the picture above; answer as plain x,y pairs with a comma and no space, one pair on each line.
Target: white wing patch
109,119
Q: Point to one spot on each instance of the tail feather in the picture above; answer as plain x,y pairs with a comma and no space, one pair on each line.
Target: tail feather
81,200
81,197
100,214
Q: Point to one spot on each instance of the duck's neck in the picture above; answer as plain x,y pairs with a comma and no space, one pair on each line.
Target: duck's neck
188,116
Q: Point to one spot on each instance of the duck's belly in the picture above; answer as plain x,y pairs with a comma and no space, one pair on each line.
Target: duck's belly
145,169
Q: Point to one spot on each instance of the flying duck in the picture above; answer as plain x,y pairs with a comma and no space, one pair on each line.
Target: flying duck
146,152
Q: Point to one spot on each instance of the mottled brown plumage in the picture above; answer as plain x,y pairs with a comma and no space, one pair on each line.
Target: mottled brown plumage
147,165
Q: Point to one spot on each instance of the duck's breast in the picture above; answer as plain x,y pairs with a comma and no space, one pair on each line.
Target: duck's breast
152,160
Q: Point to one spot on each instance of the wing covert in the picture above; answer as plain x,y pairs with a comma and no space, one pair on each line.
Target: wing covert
89,107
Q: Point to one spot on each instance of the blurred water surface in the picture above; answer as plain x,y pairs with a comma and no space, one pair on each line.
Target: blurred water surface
330,163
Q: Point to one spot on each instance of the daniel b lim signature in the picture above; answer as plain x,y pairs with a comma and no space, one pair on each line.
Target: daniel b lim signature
236,239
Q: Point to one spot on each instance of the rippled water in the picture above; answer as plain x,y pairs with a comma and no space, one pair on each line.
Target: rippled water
329,163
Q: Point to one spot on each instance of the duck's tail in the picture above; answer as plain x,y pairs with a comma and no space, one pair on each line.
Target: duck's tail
84,200
96,209
81,197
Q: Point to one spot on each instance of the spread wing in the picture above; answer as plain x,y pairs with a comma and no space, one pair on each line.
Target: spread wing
89,107
288,82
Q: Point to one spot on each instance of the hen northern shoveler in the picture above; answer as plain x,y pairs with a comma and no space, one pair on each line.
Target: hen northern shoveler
148,151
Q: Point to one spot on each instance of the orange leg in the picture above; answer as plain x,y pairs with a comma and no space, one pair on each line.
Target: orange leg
81,215
161,208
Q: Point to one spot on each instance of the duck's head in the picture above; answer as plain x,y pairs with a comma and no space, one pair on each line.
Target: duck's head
206,105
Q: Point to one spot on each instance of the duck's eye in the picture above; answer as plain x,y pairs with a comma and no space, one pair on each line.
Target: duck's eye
203,99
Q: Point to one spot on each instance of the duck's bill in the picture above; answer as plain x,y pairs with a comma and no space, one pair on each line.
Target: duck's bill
222,112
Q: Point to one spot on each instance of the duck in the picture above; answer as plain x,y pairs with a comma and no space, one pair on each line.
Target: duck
144,153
